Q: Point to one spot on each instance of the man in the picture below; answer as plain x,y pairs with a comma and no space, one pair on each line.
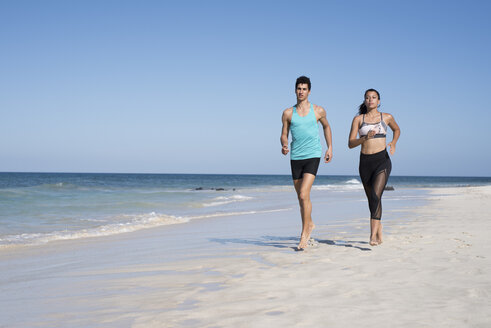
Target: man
306,149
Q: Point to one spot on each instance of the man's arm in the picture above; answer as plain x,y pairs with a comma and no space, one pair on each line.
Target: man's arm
285,129
327,133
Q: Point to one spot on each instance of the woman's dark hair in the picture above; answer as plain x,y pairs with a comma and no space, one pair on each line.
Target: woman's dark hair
302,80
363,107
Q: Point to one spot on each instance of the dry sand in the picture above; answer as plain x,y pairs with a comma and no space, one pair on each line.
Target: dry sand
432,271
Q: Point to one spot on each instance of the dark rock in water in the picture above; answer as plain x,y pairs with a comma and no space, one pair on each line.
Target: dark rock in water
389,188
217,189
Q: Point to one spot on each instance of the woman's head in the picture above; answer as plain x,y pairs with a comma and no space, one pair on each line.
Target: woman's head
372,99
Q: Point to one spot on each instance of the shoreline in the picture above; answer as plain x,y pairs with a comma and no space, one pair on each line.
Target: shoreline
431,271
287,202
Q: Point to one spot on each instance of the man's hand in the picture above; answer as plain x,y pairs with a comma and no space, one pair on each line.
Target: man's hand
328,156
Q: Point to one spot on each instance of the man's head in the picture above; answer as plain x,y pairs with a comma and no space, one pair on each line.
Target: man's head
302,88
303,80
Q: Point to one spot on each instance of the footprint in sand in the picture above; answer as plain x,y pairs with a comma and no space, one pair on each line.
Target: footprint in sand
463,243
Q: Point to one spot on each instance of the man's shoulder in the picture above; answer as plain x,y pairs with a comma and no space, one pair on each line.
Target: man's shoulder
319,110
288,111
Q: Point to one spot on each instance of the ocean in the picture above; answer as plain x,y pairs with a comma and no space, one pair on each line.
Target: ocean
36,208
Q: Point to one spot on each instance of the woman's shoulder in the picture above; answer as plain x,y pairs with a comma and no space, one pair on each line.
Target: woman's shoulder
387,117
358,117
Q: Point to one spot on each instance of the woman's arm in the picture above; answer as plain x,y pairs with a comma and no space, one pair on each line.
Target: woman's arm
353,141
396,133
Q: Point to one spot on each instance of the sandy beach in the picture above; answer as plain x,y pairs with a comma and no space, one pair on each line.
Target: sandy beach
433,270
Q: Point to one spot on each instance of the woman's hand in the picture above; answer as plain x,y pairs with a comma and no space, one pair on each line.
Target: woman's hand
284,150
371,134
392,147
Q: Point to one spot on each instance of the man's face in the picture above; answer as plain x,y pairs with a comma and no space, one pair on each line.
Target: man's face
302,91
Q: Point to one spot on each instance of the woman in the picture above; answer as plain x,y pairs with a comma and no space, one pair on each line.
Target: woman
375,165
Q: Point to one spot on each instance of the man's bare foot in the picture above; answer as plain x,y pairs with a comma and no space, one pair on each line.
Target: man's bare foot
305,237
309,231
303,242
373,241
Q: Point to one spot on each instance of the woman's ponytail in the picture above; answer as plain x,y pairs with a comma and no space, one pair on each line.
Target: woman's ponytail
362,109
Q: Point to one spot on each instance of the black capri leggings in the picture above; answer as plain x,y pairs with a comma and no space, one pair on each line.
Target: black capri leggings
374,173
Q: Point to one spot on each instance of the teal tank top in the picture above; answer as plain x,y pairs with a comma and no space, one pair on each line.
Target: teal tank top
305,136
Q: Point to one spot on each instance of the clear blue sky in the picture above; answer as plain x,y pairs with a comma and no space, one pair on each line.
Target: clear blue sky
199,86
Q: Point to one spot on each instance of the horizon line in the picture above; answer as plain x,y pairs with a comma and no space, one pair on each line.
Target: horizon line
264,174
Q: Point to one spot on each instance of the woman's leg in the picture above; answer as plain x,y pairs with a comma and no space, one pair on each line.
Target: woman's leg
378,185
374,176
372,204
366,170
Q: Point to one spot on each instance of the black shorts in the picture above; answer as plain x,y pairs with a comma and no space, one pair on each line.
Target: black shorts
301,166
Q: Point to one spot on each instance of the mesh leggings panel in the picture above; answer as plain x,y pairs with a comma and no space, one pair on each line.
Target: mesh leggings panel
374,172
375,200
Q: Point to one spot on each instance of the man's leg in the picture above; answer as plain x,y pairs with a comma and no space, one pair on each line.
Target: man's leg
303,187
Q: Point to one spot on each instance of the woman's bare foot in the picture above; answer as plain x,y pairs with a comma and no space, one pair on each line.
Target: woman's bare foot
379,235
375,232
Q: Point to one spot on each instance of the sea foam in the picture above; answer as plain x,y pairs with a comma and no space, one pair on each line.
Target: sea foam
134,223
222,200
349,185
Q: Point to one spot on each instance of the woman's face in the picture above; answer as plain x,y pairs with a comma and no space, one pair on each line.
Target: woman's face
371,100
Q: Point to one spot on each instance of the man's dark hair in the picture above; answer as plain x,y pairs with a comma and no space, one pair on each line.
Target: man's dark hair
302,80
